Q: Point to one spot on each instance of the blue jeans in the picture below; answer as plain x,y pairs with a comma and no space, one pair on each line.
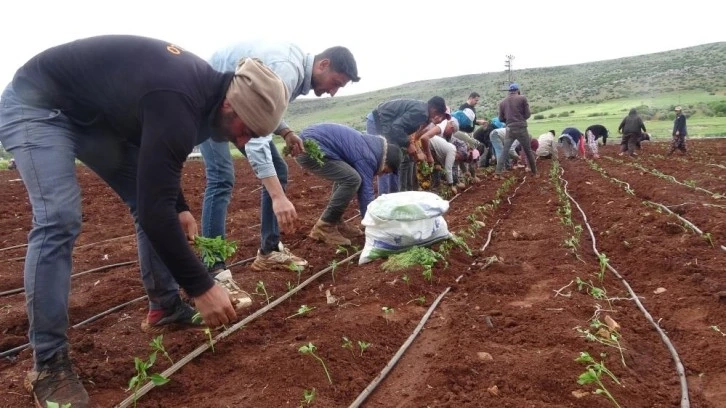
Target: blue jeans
217,195
516,133
45,144
387,183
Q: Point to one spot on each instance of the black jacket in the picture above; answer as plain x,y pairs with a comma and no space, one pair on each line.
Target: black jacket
152,94
399,118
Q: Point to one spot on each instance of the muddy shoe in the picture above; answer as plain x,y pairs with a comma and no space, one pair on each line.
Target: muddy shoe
350,230
180,316
239,298
282,259
56,382
328,233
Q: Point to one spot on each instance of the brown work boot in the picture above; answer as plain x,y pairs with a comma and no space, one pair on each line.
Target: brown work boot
56,382
281,259
350,230
328,233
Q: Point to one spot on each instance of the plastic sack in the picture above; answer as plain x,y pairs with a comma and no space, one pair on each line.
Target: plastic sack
398,221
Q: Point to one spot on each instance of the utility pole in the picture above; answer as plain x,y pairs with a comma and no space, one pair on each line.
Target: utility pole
508,66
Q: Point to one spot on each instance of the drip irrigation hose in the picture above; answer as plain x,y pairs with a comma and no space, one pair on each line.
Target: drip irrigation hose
19,258
207,345
102,268
685,403
372,386
683,220
91,319
13,247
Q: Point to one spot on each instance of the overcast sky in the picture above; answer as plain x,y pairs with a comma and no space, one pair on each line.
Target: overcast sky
394,41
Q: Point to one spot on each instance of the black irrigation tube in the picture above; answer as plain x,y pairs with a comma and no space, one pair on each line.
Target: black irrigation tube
391,363
685,402
207,345
19,258
102,268
629,190
91,319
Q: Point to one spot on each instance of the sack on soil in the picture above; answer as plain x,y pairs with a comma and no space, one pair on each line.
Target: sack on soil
398,221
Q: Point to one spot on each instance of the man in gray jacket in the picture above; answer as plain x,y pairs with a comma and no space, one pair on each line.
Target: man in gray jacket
326,72
631,128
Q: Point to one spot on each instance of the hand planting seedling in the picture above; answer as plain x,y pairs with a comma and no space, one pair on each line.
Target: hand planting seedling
301,311
308,397
310,349
593,375
716,329
142,375
363,345
262,291
214,250
157,344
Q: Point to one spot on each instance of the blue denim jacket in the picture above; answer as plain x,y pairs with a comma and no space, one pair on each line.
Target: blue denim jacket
287,60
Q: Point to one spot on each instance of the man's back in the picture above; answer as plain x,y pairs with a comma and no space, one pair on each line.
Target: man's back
514,110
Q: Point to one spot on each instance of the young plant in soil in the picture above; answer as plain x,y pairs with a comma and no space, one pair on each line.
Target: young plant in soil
387,311
207,331
308,397
592,290
363,345
310,349
333,265
406,279
297,269
214,250
341,250
142,375
52,404
157,344
260,290
347,343
301,311
716,329
593,375
603,265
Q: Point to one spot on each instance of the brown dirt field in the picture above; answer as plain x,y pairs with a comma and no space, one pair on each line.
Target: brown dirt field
502,336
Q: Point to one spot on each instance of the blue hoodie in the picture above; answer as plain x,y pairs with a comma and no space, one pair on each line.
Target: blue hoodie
361,151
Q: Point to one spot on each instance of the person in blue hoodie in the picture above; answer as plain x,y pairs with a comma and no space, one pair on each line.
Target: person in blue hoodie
351,160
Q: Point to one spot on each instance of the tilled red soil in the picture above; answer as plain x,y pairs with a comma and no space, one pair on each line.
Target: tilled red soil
505,335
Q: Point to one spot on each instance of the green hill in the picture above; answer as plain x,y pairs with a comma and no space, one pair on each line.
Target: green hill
577,95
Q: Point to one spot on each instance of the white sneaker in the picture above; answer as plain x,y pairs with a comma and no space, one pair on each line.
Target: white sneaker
239,298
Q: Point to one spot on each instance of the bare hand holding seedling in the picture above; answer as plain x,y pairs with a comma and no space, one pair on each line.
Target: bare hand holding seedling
286,214
189,225
215,307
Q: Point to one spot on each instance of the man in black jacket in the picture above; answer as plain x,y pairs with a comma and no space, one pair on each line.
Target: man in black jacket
631,128
132,109
679,133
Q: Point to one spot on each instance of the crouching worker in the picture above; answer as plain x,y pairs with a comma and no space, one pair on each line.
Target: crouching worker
572,141
350,160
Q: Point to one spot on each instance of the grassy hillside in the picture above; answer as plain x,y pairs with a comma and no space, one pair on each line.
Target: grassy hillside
573,95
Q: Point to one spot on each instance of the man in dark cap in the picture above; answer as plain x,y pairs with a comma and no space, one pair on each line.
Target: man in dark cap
134,125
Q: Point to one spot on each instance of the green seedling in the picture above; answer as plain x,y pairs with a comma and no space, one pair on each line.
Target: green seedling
301,311
594,291
387,311
214,250
415,256
593,375
52,404
599,332
297,269
707,236
262,291
333,267
341,250
308,397
420,300
290,286
406,279
207,331
716,329
347,343
157,344
603,265
310,349
311,148
363,345
142,375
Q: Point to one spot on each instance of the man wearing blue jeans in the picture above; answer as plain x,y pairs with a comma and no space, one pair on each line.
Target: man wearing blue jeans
326,72
514,111
134,125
